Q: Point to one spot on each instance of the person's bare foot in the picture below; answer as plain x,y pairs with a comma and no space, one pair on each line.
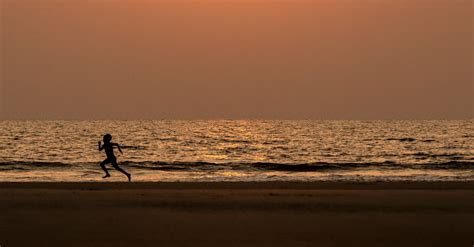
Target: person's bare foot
129,177
106,176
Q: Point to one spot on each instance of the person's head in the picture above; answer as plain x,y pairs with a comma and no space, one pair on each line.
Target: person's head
107,138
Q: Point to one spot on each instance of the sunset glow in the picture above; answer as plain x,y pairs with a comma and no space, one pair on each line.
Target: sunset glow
244,123
237,59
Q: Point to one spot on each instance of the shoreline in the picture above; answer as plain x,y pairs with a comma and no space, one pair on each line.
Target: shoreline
336,185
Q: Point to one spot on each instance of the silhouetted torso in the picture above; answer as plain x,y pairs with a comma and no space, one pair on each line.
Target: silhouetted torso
109,150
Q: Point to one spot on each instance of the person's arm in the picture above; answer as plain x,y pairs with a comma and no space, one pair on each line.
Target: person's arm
118,146
100,146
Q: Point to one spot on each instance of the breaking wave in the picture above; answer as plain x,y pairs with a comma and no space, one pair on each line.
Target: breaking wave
256,166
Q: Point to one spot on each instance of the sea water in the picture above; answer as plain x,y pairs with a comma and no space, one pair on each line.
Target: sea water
246,150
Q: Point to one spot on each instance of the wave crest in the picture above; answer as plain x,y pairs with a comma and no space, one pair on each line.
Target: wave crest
255,166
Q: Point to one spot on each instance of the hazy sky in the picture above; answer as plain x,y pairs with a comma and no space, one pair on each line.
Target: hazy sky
271,59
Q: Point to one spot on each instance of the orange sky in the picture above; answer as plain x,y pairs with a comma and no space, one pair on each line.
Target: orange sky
274,59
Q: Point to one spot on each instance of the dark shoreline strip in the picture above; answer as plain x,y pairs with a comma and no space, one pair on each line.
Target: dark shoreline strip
396,185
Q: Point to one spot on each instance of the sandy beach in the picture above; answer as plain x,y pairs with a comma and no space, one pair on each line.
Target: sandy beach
237,214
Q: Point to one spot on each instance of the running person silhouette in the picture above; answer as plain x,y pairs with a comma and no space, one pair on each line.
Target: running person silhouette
109,151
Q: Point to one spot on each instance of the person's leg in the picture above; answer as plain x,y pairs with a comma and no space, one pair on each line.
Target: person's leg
102,165
115,165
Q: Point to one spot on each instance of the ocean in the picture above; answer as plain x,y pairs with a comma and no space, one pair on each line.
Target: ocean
244,150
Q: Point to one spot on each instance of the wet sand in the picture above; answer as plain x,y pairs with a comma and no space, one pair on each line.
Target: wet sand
237,214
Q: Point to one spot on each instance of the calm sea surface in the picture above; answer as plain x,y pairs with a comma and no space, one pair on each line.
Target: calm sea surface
240,150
